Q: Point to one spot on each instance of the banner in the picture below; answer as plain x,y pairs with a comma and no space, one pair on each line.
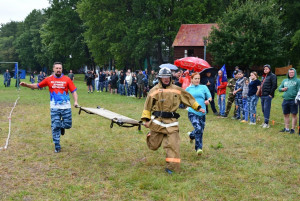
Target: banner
282,70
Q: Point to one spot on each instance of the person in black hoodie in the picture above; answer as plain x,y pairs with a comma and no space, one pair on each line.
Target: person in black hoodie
102,77
122,84
114,83
266,93
89,79
209,81
133,85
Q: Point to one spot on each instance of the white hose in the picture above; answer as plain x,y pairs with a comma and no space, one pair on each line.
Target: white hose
9,125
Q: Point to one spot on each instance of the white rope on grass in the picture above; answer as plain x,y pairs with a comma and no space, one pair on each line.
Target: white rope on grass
9,125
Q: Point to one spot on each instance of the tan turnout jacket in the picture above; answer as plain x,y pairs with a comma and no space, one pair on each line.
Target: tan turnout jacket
166,100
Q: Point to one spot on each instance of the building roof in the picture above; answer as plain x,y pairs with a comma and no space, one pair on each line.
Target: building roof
192,34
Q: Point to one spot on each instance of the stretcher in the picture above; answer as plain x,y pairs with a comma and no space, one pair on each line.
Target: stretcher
115,118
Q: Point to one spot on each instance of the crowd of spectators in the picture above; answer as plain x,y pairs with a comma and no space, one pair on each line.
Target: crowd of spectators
244,92
132,84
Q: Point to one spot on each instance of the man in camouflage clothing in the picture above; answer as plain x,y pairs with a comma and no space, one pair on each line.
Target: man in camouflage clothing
150,79
231,97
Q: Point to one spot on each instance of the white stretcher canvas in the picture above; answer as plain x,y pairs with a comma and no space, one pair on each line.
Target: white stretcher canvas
111,115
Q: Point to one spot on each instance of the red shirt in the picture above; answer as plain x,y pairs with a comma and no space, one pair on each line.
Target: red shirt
222,88
59,90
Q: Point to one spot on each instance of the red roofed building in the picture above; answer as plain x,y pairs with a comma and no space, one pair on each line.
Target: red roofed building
189,41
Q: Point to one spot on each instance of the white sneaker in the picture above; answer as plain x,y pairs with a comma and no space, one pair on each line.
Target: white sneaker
199,152
252,123
266,126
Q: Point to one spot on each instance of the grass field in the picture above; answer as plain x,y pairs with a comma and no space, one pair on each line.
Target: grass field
240,162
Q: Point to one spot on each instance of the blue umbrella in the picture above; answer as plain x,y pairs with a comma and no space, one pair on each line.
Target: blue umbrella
169,66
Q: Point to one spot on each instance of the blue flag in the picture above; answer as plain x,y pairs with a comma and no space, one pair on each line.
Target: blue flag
224,76
16,70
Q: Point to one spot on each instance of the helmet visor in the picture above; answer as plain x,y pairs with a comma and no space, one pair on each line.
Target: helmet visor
164,76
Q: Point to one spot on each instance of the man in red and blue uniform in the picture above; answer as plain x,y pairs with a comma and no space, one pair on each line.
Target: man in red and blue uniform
61,115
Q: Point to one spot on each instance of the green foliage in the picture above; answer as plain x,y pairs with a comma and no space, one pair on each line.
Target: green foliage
28,44
131,31
109,35
290,14
8,34
291,23
124,32
62,35
296,47
128,32
249,34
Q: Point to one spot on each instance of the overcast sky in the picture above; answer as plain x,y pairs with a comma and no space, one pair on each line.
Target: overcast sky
17,10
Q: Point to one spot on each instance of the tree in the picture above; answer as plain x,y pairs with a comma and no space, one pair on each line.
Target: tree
249,34
8,33
62,35
295,49
106,25
290,16
131,31
28,44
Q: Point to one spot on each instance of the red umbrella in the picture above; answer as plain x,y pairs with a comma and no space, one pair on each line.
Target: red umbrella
192,63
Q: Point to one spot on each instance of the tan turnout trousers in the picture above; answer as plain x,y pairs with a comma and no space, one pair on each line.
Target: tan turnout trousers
171,145
165,131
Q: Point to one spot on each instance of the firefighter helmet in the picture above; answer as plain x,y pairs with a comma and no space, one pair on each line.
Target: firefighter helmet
164,73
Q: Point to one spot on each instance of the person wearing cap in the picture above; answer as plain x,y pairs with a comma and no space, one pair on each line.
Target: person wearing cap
266,93
290,86
236,69
159,115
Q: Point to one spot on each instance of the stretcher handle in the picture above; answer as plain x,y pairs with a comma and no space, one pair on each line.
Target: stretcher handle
122,124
